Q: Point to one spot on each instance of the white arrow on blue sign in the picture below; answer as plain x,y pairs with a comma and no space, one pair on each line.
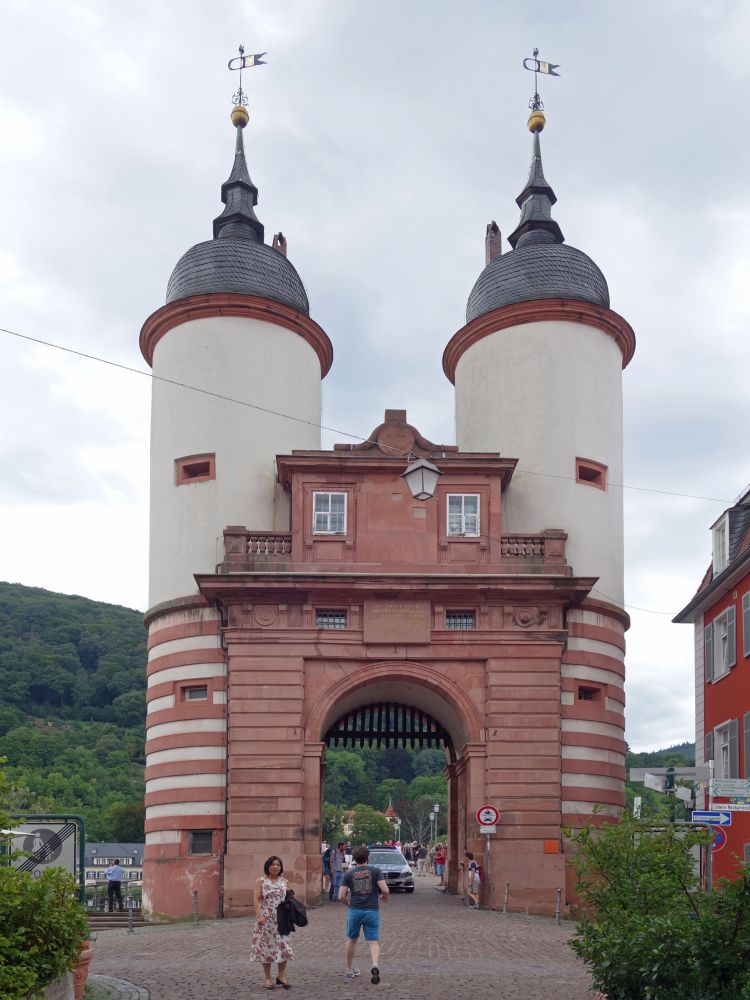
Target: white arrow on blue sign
716,817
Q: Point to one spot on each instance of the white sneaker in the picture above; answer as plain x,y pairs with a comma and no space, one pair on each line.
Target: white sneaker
352,973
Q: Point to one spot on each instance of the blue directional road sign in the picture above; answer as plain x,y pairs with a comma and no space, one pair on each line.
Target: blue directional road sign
716,817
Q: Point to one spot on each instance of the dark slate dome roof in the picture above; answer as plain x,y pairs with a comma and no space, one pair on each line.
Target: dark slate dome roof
537,271
237,265
540,265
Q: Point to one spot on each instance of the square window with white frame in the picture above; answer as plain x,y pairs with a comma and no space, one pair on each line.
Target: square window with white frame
720,532
329,513
724,642
726,757
463,515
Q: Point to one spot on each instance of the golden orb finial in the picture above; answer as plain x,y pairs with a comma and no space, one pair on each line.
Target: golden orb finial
240,116
536,121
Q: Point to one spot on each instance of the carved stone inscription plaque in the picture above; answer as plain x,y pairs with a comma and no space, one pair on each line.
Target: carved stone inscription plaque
396,621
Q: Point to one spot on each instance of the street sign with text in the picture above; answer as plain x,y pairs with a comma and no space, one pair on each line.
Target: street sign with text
488,829
735,807
731,788
716,817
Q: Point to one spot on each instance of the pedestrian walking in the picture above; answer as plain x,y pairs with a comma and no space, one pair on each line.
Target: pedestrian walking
422,860
115,875
338,858
266,944
363,886
407,853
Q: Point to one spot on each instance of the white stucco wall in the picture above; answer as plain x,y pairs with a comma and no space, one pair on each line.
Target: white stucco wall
245,359
546,393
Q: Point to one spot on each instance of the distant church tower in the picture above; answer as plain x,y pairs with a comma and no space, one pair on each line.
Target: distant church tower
236,326
538,374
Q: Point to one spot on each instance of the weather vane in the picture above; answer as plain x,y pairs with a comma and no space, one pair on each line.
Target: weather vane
537,66
241,62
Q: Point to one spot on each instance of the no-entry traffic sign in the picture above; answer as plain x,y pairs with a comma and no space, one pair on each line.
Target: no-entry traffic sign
488,816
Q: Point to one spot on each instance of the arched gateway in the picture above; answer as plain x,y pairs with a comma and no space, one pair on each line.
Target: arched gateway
332,590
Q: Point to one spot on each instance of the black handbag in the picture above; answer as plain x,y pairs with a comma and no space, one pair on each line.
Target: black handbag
299,910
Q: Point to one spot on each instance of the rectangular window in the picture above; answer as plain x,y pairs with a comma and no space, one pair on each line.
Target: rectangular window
329,513
746,857
197,693
194,469
588,693
460,620
200,841
724,644
726,761
746,624
591,473
720,533
463,514
330,618
746,735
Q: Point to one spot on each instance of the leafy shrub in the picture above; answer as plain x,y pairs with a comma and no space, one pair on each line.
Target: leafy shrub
42,926
647,931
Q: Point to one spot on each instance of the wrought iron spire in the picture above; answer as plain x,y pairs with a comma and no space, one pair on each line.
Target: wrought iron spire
536,224
238,221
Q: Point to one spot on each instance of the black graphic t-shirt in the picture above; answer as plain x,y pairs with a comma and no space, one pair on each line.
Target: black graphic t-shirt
362,883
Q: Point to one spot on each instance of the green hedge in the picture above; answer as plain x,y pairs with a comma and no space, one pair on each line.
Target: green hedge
42,925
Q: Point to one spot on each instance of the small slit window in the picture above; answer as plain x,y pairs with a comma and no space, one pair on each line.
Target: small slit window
200,841
586,693
198,692
591,473
330,618
460,620
195,469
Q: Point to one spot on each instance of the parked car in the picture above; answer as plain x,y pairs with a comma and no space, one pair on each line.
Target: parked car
394,866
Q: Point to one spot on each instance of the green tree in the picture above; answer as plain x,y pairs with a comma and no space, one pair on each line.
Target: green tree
370,826
344,777
333,823
126,822
647,932
433,787
391,790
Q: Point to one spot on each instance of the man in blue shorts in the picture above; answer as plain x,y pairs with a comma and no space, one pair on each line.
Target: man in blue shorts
361,885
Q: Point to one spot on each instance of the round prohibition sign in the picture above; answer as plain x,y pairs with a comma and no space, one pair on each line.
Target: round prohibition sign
719,838
488,816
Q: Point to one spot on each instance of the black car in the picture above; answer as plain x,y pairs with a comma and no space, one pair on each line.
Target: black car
394,866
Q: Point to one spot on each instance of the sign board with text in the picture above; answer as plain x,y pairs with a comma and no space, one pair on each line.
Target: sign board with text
488,829
731,788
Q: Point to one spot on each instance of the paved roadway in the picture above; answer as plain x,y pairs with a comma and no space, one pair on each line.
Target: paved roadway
434,948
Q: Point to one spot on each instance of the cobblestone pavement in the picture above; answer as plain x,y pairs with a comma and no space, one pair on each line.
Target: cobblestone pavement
434,948
109,988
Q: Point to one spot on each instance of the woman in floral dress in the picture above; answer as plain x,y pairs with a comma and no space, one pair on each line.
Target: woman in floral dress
267,945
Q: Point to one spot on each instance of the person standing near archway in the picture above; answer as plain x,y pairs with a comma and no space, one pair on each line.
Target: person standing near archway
363,885
337,870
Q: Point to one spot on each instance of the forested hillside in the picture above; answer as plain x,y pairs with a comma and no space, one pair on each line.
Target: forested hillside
72,710
72,706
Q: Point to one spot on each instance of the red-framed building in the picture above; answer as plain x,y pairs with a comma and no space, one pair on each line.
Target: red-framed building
720,613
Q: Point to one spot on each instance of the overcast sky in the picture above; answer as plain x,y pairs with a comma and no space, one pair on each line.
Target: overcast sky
383,137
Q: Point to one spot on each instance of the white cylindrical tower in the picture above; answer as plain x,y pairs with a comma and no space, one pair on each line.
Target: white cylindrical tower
538,376
236,358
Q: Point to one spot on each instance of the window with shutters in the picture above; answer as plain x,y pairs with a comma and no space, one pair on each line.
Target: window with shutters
463,514
724,643
746,624
746,743
726,758
720,533
200,841
746,857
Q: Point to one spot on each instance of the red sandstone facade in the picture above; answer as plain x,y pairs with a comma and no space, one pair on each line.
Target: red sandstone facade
529,690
